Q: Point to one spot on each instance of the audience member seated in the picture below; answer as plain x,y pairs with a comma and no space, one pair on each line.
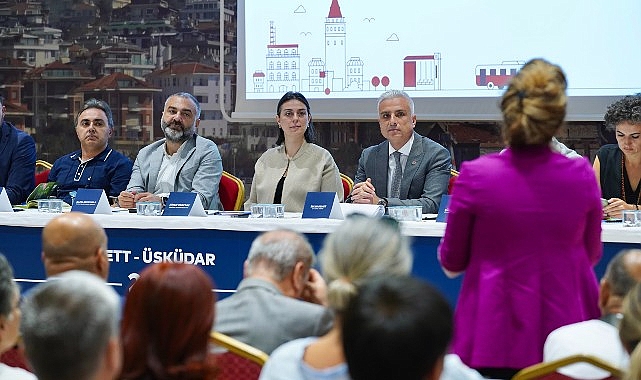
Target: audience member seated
74,241
182,161
284,174
598,337
396,327
70,328
270,306
168,315
524,255
95,165
630,331
17,160
406,169
359,248
618,166
9,321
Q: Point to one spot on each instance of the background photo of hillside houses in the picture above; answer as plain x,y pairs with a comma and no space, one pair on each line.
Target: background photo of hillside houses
54,55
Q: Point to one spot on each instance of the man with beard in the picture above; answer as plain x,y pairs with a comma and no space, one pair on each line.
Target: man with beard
95,165
182,161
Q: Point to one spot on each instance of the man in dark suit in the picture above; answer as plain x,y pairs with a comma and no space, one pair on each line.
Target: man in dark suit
405,170
17,160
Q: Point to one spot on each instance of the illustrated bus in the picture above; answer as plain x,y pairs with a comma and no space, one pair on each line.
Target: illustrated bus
496,75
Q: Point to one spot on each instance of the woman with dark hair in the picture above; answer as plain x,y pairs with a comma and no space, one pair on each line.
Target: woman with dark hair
525,227
285,173
618,166
166,323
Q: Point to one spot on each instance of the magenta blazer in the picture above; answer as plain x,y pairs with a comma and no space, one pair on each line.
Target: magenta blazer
525,228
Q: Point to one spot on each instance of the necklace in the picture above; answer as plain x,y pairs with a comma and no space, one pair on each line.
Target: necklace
623,183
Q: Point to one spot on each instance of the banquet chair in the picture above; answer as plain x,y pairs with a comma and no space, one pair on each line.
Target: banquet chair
548,370
42,171
348,185
453,175
231,192
240,361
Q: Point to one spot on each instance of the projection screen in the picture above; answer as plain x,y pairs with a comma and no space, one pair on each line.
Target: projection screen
453,57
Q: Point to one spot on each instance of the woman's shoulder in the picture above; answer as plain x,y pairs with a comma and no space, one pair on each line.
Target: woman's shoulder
608,150
272,152
319,150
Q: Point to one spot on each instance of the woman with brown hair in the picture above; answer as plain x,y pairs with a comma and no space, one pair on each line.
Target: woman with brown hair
166,323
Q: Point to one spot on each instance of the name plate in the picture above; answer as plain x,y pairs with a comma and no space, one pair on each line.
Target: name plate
322,204
443,209
5,204
91,201
184,204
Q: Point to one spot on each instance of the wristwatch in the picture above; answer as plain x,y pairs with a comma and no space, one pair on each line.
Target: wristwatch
383,202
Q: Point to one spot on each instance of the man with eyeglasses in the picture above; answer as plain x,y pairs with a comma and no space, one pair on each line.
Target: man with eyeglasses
406,169
181,162
95,165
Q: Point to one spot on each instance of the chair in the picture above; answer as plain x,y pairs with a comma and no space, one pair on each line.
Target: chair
42,171
547,370
450,185
348,185
240,362
231,192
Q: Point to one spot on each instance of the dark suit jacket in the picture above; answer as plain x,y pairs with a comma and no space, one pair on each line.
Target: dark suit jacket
425,176
17,162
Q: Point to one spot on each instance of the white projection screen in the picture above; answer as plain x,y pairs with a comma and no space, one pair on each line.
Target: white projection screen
453,57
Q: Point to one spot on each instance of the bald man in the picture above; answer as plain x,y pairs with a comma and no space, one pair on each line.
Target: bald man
270,305
599,337
74,241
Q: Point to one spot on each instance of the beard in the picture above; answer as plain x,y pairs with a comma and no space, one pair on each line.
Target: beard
177,136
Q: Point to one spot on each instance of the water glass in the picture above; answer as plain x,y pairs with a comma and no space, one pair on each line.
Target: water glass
631,218
148,208
406,213
265,210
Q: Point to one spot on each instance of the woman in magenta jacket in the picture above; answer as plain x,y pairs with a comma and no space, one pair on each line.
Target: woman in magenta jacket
525,228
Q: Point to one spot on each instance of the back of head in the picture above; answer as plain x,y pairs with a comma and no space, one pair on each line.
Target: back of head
166,323
534,104
8,287
362,247
397,327
623,271
71,241
277,252
67,324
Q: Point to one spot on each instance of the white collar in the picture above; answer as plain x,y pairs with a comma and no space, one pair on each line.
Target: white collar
405,149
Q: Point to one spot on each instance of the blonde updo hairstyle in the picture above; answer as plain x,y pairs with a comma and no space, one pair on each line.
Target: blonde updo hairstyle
534,104
362,247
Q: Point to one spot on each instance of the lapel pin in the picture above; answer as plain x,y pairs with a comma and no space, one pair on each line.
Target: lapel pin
413,162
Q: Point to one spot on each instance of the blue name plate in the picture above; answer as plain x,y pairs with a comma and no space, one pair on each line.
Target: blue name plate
184,204
443,209
322,204
91,201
